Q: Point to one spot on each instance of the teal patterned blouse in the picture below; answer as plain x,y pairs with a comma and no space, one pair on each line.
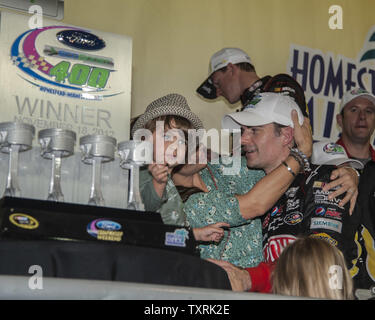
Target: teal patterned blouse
242,245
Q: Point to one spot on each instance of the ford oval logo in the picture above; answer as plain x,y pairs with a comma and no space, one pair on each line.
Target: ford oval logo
80,40
108,225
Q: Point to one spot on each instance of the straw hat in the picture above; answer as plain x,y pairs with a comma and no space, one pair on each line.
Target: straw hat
171,104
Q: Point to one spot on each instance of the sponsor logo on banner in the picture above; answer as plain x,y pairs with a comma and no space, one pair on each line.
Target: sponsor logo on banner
325,77
275,245
64,72
176,238
23,221
323,223
103,229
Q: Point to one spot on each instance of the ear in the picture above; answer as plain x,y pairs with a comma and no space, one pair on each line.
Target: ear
287,135
339,119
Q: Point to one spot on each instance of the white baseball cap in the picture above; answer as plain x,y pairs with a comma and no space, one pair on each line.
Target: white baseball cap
326,152
266,107
220,60
355,93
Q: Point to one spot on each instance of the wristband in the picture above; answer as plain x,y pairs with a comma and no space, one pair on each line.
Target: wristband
289,169
299,160
304,159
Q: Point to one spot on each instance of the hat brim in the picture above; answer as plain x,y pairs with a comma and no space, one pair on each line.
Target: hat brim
236,120
367,96
352,162
207,89
171,110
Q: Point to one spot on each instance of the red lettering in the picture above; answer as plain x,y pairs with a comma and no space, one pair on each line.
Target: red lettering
275,246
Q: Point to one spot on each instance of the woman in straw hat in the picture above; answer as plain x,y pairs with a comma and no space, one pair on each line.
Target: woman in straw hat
165,122
242,243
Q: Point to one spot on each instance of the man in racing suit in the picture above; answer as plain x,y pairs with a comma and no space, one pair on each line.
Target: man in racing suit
306,209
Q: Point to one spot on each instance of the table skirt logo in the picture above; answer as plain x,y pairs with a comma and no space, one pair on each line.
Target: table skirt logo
177,238
23,221
61,71
103,229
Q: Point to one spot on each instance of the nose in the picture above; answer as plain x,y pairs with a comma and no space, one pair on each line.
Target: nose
362,114
245,137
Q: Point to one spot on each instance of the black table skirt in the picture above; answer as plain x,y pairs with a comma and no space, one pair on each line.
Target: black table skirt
116,262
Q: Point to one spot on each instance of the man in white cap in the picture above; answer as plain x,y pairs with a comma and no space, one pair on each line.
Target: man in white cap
357,121
233,76
306,208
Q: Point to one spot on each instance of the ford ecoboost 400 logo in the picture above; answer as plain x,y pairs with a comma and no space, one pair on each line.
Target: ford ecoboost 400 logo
76,71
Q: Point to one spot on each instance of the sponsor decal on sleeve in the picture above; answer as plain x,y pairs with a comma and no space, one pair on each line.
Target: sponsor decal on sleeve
333,213
275,245
323,223
293,218
291,192
274,211
326,237
318,184
320,211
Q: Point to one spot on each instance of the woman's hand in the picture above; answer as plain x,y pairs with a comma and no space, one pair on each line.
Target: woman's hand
212,232
346,180
302,134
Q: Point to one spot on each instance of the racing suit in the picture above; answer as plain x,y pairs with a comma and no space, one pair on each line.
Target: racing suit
304,210
363,270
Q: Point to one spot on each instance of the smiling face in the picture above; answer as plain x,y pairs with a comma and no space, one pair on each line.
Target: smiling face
357,120
264,148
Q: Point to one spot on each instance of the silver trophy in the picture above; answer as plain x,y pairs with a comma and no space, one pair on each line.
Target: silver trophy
15,137
55,145
97,149
133,155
